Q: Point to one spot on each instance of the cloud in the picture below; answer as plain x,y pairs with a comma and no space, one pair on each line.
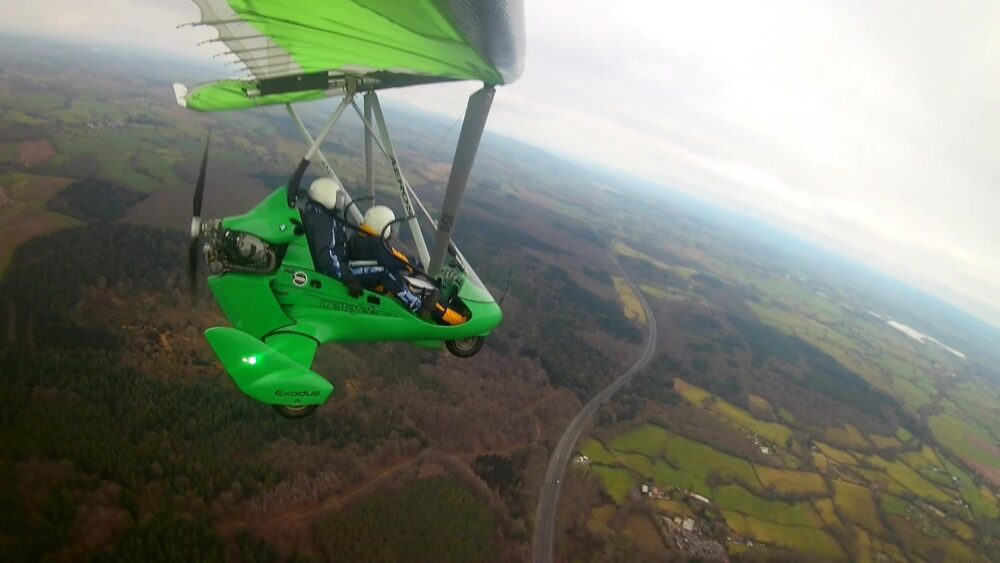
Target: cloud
872,126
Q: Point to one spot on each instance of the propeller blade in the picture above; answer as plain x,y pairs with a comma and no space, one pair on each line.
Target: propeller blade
199,189
510,270
193,269
199,193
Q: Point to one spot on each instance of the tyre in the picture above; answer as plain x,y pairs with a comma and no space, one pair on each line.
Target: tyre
292,411
465,347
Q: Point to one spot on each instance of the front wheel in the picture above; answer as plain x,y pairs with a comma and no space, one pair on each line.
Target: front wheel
295,411
465,347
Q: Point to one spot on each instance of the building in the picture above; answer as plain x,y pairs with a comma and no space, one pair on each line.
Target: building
701,498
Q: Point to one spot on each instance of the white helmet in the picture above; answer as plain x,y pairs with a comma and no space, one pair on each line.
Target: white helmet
376,218
325,191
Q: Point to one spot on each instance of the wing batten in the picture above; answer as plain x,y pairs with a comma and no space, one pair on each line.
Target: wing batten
384,44
239,35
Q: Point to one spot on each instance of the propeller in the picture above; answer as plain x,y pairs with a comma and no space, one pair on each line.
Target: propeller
510,270
199,192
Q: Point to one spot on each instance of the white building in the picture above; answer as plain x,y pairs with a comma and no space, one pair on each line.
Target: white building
701,498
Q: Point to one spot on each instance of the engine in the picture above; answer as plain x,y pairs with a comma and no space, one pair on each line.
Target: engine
227,250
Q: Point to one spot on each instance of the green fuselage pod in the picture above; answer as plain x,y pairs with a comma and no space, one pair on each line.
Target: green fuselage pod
282,316
321,308
266,374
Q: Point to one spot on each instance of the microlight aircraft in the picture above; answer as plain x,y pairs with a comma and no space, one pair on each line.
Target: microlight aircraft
263,276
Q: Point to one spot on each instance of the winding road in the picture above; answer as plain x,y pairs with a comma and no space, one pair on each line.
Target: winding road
545,517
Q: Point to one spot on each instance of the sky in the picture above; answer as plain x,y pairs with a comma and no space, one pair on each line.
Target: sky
872,127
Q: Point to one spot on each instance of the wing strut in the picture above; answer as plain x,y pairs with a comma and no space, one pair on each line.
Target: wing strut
300,170
411,196
465,154
319,154
369,152
405,190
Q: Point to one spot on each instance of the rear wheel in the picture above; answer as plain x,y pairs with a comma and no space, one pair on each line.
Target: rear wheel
295,411
465,347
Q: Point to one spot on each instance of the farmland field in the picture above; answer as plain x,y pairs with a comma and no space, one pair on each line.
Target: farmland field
791,481
858,495
595,450
647,439
633,310
738,499
619,482
798,538
855,502
790,364
22,211
787,474
794,477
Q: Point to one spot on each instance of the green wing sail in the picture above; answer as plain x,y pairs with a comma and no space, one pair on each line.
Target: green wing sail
298,50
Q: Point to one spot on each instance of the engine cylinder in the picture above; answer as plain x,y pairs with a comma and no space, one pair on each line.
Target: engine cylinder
227,250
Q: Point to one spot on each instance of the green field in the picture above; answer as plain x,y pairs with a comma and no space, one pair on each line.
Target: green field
895,364
665,475
647,439
883,485
626,250
736,498
596,452
699,460
637,463
618,482
671,293
894,505
855,503
784,480
980,503
652,452
630,301
827,511
909,480
848,436
798,538
775,433
8,152
24,216
948,547
879,473
694,395
966,440
884,442
837,455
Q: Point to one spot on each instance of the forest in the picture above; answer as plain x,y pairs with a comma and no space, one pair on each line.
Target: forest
102,442
434,519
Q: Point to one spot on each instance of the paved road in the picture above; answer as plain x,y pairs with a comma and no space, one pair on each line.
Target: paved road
545,517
